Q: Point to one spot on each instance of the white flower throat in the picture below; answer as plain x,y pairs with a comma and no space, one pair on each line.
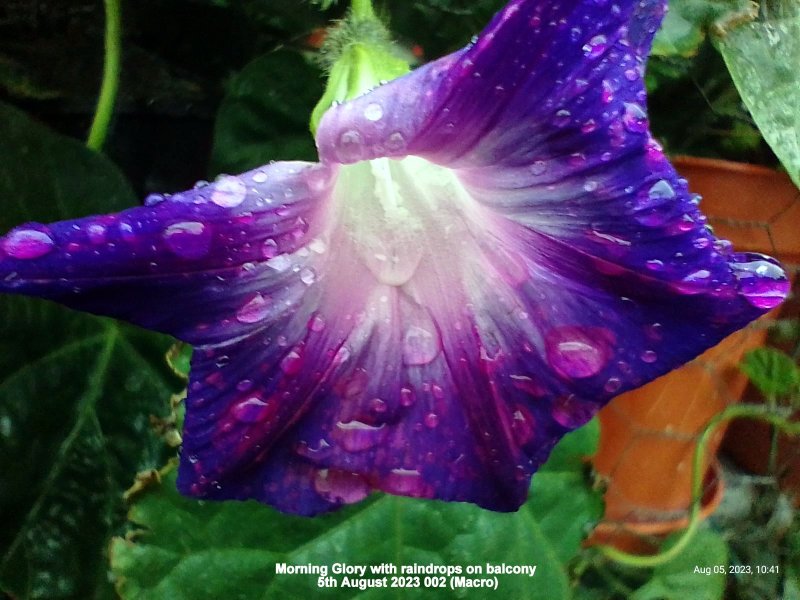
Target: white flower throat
398,211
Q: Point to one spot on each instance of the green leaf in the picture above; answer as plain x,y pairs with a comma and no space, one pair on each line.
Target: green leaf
678,36
75,391
687,22
772,371
181,548
691,574
763,59
574,450
264,115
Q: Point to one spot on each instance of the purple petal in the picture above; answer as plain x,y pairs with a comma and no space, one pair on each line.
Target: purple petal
447,368
539,79
207,265
428,326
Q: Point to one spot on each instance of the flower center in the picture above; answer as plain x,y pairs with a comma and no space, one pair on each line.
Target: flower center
398,211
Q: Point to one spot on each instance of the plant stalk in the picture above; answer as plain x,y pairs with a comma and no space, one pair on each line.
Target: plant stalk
741,411
362,9
111,72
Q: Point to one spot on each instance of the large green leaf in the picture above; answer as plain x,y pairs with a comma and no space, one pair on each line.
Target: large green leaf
75,391
186,549
763,60
697,573
685,26
265,113
773,372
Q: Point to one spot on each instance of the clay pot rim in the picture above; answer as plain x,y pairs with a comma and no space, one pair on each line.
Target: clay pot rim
720,164
711,501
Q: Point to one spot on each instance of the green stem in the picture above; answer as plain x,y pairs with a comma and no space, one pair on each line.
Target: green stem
111,71
362,9
745,411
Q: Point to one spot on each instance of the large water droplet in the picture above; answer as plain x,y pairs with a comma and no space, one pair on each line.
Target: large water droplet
280,263
96,233
649,356
406,482
373,112
190,239
153,199
571,412
395,142
252,410
420,346
660,191
762,282
229,192
351,146
308,276
292,363
529,386
578,352
306,450
431,420
355,436
562,118
257,309
269,249
539,167
407,397
317,246
27,244
316,323
596,46
341,486
523,425
635,118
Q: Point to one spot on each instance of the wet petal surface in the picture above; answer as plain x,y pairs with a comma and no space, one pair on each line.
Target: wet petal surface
207,265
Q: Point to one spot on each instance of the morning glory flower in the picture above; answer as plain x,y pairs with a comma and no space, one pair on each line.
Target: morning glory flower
490,249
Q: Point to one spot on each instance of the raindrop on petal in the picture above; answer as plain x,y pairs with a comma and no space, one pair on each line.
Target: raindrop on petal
762,282
269,249
578,352
373,112
649,356
292,363
635,118
316,323
431,420
307,276
252,410
539,167
229,192
420,346
351,145
571,412
189,239
406,482
341,486
355,436
595,46
27,244
257,309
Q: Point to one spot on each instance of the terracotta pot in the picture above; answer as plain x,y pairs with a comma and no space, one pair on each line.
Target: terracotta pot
648,436
771,225
645,537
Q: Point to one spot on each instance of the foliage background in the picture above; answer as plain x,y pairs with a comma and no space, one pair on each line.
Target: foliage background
213,86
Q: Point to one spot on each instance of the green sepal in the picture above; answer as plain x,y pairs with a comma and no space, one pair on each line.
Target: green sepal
361,56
